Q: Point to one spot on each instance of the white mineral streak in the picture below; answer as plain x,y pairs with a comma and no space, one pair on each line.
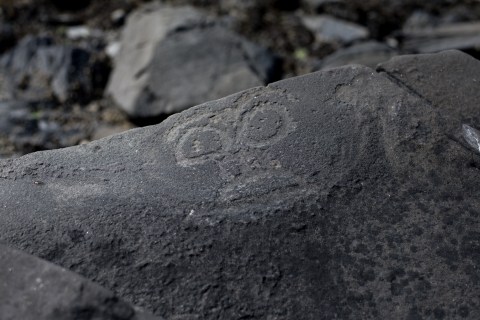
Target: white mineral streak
472,136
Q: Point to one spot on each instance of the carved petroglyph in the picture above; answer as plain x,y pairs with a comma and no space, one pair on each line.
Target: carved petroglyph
266,125
201,144
260,122
234,139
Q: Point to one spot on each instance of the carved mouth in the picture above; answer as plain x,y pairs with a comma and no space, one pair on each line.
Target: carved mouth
261,185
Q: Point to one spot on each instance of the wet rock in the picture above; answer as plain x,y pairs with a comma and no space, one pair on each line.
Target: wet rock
330,29
31,288
368,54
325,196
38,70
175,58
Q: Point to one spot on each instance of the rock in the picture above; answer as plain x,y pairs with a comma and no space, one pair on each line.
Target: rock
175,58
31,127
331,195
420,19
330,29
118,17
460,36
39,70
432,76
368,54
31,288
78,32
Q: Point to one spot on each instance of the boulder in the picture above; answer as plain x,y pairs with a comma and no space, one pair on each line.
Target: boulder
173,58
38,70
33,289
332,195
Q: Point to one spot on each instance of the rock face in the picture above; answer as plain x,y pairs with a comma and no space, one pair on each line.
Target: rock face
175,58
327,196
31,288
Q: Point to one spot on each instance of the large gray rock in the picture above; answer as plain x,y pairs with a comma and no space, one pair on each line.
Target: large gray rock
174,58
33,289
334,195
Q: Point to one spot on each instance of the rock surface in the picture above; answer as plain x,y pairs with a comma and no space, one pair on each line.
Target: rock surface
33,289
327,196
174,58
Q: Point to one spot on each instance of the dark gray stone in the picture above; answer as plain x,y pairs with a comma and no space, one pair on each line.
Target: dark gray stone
37,70
33,289
174,58
331,195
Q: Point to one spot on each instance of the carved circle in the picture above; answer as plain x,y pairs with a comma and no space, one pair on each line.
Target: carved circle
200,144
265,125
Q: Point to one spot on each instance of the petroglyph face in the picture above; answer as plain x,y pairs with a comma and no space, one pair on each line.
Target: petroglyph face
255,151
237,140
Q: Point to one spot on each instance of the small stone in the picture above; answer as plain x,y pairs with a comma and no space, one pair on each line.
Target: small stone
330,29
78,32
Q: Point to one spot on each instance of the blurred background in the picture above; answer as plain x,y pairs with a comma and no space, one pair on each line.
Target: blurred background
80,70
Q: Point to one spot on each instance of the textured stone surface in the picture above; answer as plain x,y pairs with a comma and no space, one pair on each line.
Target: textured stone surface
174,58
332,195
31,288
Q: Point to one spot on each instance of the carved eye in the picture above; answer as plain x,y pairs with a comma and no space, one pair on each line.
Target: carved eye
201,142
265,125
